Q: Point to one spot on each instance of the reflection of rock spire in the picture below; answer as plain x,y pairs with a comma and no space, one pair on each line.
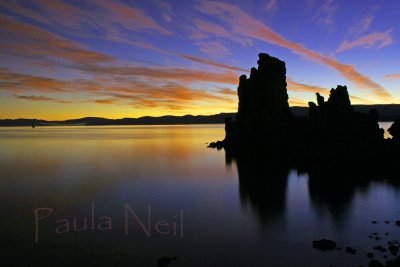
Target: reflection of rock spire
263,187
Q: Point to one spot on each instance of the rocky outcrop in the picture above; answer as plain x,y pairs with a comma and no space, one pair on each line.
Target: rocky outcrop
324,244
335,121
333,134
263,113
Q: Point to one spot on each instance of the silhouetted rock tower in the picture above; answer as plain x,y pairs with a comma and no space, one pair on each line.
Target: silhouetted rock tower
263,110
264,95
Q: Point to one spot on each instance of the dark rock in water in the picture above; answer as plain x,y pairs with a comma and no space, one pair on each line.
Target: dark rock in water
380,248
351,250
370,255
394,263
398,223
218,145
164,261
393,248
387,222
378,238
324,244
394,130
374,222
375,263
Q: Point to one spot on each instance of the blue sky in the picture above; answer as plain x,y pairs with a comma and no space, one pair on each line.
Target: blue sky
67,59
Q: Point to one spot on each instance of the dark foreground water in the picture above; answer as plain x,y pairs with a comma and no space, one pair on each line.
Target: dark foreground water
126,196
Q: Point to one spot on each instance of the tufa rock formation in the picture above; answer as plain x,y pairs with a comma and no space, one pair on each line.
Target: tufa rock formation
335,121
263,113
332,132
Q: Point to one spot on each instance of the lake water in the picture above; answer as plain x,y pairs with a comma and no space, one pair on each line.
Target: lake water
94,190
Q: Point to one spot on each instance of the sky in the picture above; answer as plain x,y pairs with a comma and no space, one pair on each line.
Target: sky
115,59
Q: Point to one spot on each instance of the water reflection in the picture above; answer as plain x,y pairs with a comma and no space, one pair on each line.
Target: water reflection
331,188
254,213
263,186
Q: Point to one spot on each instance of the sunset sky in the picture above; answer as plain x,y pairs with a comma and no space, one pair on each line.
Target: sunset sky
115,59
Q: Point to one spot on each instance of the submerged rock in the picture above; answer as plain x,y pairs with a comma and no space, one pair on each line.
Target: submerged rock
370,255
380,248
164,261
351,250
375,263
324,244
393,248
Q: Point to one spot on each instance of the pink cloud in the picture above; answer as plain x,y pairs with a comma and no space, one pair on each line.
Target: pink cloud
392,76
211,63
128,16
17,8
376,39
41,98
101,14
211,28
244,24
270,6
213,48
361,25
34,41
301,87
326,12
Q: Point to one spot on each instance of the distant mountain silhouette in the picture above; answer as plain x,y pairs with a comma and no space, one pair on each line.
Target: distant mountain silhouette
387,112
147,120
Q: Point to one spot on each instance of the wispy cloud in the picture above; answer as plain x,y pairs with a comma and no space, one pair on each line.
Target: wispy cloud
41,98
212,63
212,28
33,41
213,48
17,82
107,17
19,9
244,24
166,9
297,102
301,87
155,91
270,5
392,76
106,101
326,12
376,39
128,17
361,26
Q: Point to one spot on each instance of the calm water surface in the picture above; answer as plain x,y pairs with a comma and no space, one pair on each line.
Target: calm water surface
201,210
